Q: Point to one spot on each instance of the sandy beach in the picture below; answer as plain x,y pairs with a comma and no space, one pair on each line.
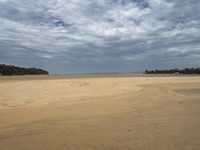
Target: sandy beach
100,113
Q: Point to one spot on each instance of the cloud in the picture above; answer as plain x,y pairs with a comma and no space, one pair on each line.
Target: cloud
74,36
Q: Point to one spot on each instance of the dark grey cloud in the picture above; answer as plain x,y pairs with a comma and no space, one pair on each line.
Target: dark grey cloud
74,36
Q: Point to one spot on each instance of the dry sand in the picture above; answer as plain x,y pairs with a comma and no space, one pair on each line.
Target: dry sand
100,113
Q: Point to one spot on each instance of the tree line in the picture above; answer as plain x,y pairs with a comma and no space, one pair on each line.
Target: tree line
8,70
175,71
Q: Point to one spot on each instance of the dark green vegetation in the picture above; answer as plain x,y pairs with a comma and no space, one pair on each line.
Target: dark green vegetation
175,71
8,70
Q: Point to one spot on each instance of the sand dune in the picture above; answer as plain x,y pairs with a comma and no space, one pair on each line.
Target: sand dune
100,113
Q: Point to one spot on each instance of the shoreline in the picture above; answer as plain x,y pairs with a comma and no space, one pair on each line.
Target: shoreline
55,77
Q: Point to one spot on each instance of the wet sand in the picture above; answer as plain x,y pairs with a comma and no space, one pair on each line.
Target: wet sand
100,113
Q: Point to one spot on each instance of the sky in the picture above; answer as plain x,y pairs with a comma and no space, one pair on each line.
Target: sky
100,36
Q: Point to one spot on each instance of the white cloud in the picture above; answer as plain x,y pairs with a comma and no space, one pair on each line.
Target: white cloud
101,31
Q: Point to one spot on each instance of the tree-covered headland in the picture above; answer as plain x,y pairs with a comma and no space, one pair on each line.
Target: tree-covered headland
175,71
8,70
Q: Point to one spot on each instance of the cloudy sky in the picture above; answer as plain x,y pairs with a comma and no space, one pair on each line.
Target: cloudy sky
88,36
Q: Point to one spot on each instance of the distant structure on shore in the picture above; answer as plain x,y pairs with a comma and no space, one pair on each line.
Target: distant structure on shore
8,70
175,71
